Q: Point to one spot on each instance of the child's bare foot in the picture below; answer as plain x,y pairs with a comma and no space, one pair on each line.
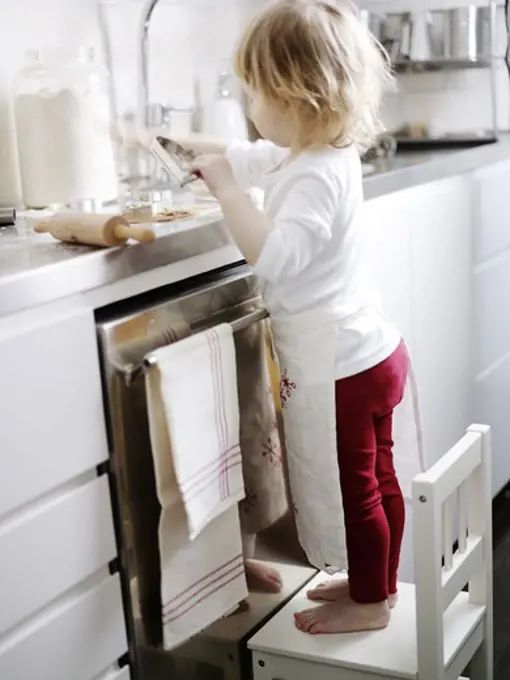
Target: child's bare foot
333,590
337,590
261,578
343,617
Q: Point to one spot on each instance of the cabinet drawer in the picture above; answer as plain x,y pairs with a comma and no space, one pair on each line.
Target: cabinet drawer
490,188
51,412
77,641
53,549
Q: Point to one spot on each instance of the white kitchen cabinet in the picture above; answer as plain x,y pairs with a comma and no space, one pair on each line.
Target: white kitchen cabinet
441,237
52,425
420,257
491,308
77,640
491,282
491,301
490,188
388,249
440,254
61,613
491,405
48,551
419,246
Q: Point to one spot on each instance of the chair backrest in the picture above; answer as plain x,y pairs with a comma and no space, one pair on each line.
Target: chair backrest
452,528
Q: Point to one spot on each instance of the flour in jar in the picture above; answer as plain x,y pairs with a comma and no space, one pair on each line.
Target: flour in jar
65,148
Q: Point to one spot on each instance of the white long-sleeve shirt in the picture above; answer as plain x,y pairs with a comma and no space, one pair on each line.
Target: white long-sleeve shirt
313,256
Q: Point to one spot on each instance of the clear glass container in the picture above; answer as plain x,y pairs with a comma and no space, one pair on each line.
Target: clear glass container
187,40
63,125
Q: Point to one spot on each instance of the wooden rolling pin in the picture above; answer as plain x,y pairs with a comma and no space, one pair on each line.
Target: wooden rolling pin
92,229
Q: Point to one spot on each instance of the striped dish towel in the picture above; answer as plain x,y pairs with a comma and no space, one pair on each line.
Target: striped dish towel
203,580
196,380
193,414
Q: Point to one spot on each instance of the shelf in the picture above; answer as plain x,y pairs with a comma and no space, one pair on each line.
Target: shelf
386,6
435,65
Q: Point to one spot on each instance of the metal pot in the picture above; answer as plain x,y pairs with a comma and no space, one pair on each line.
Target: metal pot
462,34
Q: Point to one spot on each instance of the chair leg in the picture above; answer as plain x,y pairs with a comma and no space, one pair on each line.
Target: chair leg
481,666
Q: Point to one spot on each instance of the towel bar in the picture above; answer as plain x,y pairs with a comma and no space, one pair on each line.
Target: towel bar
133,371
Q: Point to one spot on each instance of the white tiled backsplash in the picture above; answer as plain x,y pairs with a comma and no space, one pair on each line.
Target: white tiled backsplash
190,38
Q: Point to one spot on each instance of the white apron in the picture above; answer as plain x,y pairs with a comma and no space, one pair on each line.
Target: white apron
306,347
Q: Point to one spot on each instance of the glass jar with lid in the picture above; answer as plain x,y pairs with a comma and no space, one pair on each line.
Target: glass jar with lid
63,126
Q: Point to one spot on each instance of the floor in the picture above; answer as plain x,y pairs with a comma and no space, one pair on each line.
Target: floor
502,587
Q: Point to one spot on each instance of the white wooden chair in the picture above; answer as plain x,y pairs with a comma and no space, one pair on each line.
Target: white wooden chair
437,629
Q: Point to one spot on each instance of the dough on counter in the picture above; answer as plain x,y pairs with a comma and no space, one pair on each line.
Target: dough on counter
163,216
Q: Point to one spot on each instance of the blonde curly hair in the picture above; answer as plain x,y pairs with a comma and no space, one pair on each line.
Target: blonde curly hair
318,60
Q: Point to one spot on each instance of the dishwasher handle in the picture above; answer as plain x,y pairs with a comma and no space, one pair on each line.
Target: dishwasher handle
132,372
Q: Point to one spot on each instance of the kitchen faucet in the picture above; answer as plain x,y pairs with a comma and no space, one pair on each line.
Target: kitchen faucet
143,102
147,173
154,115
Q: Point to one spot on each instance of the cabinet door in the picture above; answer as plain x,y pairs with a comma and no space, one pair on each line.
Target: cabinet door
77,640
49,550
492,265
490,190
440,232
491,322
419,245
52,425
388,244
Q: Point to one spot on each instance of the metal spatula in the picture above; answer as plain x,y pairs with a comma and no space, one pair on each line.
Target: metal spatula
176,160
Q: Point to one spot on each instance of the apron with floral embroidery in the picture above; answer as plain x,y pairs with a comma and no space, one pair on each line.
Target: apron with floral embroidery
265,501
306,348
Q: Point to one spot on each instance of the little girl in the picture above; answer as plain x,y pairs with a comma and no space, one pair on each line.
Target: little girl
314,78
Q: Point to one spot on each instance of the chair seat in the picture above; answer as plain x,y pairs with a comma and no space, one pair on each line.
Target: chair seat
390,652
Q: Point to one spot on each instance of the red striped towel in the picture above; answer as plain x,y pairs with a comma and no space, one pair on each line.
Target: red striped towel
194,425
198,389
202,581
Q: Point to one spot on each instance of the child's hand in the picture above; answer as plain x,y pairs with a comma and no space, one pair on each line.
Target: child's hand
216,172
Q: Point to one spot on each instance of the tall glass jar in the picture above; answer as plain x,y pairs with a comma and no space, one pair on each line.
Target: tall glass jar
63,125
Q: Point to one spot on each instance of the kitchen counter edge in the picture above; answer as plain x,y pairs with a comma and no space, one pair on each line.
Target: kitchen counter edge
206,247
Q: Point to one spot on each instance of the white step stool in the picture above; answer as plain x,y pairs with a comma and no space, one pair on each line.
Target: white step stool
436,629
220,651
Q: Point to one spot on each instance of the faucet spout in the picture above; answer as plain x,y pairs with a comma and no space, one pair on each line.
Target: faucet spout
143,102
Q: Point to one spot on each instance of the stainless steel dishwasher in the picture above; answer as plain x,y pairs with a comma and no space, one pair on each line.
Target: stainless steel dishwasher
127,333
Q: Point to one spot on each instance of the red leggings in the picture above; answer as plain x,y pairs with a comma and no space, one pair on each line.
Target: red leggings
373,502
